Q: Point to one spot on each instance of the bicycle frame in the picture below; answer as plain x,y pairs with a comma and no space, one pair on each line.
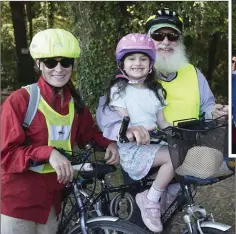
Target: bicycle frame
81,210
106,190
195,217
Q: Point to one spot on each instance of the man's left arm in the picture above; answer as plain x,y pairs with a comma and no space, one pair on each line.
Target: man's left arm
207,100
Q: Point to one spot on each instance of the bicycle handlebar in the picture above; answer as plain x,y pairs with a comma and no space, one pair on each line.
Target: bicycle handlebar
72,158
184,125
83,167
155,134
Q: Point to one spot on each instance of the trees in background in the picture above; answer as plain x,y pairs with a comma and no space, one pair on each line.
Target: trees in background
233,25
24,62
20,21
206,38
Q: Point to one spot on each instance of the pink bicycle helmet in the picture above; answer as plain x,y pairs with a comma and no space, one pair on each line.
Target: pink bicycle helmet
135,42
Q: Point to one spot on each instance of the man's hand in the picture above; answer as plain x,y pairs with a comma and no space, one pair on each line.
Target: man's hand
138,133
219,110
62,166
112,155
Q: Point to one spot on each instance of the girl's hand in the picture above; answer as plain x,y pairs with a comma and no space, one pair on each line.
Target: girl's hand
139,134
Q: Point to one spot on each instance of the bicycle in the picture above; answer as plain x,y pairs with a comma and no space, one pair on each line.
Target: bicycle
85,223
201,222
187,135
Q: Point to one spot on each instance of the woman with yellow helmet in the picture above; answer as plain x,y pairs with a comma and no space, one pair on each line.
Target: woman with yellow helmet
31,200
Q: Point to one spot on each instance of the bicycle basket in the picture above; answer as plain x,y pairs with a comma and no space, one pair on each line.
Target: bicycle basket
199,151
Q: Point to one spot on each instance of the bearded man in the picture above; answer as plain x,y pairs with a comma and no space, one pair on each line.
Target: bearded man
188,92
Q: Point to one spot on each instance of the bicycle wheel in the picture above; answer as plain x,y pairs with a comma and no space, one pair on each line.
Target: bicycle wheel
122,206
111,227
206,230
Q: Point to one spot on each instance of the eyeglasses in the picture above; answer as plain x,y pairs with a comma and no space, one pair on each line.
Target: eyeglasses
52,63
233,62
159,36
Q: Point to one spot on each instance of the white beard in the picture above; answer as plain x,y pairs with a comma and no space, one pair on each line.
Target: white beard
171,62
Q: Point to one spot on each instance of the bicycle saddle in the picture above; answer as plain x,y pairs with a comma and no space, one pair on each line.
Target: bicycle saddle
100,169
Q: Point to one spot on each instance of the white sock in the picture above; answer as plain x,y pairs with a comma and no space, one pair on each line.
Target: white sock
154,194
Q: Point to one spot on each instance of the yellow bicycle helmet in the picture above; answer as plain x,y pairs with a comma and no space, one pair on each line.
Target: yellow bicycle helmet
54,43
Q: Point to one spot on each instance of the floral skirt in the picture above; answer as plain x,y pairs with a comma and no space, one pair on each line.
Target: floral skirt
137,160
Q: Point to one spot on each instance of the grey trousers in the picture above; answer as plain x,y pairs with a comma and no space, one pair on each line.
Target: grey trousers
10,225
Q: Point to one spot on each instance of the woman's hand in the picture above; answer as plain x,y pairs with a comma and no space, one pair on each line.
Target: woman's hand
112,155
62,166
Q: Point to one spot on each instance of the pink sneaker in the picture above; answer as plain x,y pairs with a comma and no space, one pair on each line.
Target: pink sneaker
150,212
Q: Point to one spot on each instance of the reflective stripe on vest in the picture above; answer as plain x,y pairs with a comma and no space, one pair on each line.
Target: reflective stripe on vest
59,130
183,96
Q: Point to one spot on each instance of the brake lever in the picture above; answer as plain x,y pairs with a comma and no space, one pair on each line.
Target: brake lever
158,136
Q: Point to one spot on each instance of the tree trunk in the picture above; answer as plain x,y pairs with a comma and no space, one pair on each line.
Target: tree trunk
29,14
50,14
25,69
213,45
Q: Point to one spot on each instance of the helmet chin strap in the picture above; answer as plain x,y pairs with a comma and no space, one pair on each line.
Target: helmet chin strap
123,75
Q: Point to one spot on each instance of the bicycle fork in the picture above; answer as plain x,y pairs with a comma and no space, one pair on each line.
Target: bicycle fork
197,217
81,210
82,221
192,222
194,213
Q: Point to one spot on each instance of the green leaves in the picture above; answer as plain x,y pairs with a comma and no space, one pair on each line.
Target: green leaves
100,25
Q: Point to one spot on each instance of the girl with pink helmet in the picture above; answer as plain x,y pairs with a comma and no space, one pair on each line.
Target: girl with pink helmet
136,93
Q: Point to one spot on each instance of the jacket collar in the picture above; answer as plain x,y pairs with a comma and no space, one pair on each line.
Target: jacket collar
48,94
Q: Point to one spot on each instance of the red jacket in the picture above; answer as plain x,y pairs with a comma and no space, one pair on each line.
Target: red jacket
25,194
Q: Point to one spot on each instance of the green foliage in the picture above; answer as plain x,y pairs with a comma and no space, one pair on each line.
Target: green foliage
41,13
8,54
233,24
97,31
208,18
100,30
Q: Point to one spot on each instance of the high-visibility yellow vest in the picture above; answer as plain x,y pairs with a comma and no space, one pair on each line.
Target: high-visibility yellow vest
59,130
183,96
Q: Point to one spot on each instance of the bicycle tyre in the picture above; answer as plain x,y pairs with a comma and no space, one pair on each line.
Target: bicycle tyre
115,206
207,230
120,226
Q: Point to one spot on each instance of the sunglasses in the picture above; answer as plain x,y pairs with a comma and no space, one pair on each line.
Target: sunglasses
233,62
159,36
52,63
